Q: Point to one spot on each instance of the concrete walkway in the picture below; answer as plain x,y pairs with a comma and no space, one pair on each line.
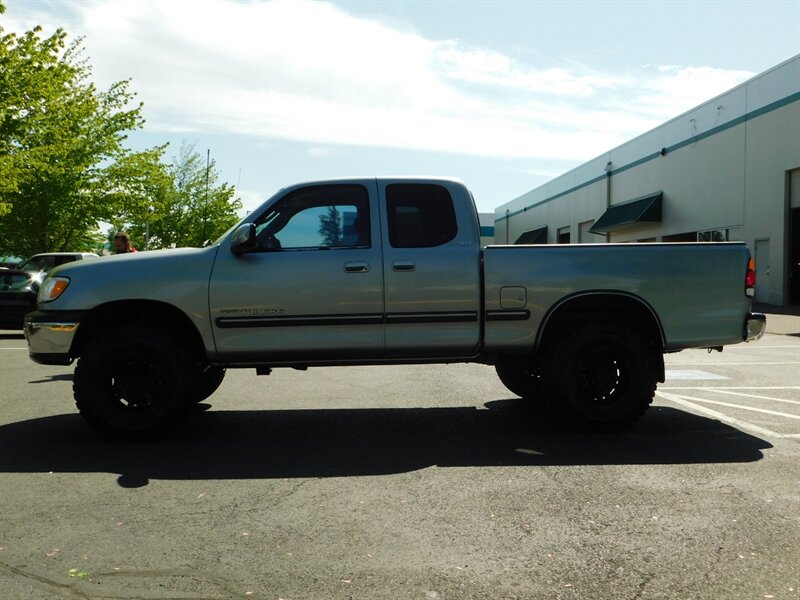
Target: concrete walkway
783,320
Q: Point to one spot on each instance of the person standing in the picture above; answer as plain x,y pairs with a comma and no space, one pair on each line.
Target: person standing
122,243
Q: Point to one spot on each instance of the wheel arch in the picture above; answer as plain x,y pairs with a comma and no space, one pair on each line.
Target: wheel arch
144,312
619,308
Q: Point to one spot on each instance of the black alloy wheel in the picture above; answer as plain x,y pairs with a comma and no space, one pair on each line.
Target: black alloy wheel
132,382
604,377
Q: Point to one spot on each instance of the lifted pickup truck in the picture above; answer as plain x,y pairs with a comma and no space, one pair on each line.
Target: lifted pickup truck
386,271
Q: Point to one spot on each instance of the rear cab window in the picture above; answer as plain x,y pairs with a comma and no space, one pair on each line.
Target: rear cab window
420,215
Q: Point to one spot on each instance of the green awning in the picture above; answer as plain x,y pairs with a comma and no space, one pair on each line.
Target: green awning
534,236
646,209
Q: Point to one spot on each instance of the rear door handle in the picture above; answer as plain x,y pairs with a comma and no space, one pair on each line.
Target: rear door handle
356,267
403,265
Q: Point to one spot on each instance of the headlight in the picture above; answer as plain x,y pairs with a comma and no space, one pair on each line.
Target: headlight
52,288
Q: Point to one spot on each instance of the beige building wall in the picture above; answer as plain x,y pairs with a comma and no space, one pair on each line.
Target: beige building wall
767,187
725,165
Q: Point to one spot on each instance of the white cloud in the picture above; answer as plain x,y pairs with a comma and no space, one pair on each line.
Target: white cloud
678,89
250,200
321,152
493,68
310,72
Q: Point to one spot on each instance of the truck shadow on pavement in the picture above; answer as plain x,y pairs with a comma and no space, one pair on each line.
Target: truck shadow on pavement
358,442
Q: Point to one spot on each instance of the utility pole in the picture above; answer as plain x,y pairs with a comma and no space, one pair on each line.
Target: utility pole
205,206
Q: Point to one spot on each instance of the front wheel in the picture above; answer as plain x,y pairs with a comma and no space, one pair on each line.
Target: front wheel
604,377
132,381
209,379
522,376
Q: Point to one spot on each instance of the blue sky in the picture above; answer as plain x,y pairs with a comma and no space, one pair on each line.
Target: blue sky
503,95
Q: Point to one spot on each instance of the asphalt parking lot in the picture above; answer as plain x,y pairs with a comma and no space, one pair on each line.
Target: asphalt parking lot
427,482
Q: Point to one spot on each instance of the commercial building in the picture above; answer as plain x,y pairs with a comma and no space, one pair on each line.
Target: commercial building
487,228
727,170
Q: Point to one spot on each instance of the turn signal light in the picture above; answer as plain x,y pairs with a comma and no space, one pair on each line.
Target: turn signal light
750,279
53,287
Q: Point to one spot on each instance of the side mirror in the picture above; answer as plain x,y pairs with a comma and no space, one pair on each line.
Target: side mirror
244,239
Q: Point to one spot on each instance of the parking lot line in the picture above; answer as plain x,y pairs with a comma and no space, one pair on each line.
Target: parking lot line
691,375
739,406
737,364
732,387
725,418
770,398
749,347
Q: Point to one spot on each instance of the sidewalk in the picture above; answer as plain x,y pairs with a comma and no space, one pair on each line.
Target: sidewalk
783,320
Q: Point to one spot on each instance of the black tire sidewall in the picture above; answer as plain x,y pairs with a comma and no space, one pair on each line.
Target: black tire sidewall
106,356
208,380
517,375
638,381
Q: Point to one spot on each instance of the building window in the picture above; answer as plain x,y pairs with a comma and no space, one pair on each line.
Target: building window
713,235
563,235
690,236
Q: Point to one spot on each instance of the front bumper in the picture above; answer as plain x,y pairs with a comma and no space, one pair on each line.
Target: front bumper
754,326
50,336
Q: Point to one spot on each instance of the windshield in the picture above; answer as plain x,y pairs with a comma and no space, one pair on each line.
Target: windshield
38,263
45,262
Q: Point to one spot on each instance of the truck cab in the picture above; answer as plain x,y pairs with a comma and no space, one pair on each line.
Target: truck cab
353,270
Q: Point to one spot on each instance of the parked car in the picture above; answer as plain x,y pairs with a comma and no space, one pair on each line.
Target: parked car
18,290
10,262
48,260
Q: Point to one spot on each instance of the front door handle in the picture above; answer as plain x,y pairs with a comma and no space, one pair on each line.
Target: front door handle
356,267
403,265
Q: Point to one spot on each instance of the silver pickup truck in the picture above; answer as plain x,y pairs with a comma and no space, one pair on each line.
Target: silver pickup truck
386,271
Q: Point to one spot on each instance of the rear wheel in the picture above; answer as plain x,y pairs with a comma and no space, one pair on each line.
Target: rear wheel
604,377
132,381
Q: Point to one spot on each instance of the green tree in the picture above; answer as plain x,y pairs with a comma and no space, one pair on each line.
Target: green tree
329,227
63,166
182,205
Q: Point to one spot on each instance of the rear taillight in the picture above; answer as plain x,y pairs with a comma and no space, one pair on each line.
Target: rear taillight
750,279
